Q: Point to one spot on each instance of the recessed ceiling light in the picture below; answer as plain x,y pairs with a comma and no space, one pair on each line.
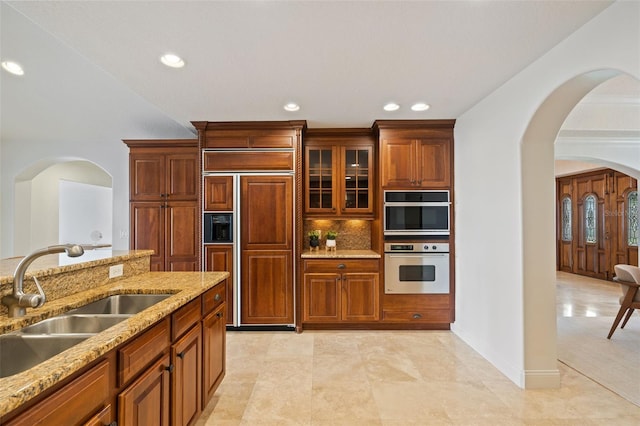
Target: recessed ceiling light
391,106
420,106
12,67
171,60
292,106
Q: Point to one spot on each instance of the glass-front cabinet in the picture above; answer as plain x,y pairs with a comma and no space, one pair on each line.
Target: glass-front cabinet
338,177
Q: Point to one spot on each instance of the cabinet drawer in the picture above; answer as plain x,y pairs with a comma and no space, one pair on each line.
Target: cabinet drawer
249,138
72,404
137,355
212,299
341,265
250,160
184,318
434,315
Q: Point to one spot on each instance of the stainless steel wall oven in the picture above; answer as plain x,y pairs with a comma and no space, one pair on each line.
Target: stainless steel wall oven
416,268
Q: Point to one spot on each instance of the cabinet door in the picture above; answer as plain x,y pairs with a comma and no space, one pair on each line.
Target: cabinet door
102,418
214,350
356,180
361,297
398,163
434,163
146,177
266,287
186,384
320,168
181,236
218,193
321,297
147,230
146,401
182,174
266,205
220,258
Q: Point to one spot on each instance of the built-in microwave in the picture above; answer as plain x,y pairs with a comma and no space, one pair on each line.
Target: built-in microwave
417,213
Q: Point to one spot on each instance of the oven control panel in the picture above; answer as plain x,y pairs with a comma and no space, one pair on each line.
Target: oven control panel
420,247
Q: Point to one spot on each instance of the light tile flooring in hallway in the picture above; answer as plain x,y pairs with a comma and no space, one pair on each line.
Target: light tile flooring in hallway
395,378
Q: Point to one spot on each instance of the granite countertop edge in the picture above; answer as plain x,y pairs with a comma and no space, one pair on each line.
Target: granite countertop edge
17,389
340,254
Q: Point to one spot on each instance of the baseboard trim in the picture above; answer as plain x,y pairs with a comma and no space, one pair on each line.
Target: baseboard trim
541,379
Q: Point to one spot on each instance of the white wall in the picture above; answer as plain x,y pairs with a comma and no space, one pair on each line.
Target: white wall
85,213
505,254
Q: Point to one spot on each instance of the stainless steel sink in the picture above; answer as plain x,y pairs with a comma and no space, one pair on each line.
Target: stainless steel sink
74,324
36,343
18,353
127,304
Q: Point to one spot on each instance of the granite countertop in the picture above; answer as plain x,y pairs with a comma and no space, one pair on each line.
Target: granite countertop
19,388
55,264
324,254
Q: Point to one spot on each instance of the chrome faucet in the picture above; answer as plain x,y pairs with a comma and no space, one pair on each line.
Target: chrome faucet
19,301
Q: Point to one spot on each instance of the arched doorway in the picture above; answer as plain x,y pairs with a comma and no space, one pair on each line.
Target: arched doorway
538,202
78,188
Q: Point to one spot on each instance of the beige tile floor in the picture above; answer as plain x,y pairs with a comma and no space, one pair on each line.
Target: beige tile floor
395,378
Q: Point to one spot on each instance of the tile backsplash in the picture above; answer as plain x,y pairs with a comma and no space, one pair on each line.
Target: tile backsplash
352,234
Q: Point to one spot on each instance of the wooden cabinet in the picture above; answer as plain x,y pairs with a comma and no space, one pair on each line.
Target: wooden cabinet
186,383
339,172
214,352
219,257
163,190
416,154
266,223
76,403
345,290
169,229
146,401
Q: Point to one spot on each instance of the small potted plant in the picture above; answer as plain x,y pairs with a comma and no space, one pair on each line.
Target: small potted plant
314,239
331,240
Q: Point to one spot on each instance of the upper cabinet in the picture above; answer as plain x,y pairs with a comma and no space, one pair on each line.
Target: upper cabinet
339,172
163,170
416,154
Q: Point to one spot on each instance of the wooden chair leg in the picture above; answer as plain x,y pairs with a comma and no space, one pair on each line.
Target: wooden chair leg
626,318
617,321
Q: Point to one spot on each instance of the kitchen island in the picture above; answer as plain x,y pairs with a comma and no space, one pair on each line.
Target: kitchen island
188,289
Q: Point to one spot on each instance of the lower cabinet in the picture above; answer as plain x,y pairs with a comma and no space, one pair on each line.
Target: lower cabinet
213,367
146,401
345,290
186,386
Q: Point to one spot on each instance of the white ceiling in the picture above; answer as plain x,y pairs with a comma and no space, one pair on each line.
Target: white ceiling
95,64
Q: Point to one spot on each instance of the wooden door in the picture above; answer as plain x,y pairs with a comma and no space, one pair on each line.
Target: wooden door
214,352
592,251
180,233
148,230
360,297
146,177
321,297
182,175
220,258
434,163
218,193
186,383
623,215
146,401
566,224
398,163
266,287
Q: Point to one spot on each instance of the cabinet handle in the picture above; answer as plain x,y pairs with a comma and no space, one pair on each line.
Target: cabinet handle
181,355
219,314
417,316
341,266
170,368
216,297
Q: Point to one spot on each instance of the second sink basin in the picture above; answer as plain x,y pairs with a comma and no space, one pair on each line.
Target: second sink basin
74,324
127,304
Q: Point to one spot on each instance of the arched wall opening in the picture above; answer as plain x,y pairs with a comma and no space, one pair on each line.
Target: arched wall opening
75,187
538,207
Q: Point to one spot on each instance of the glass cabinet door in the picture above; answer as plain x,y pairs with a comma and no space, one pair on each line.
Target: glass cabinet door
320,187
356,166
